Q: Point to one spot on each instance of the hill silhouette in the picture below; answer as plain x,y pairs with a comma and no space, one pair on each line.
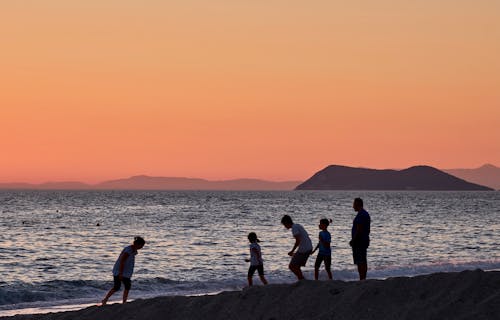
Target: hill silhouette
336,177
143,182
62,185
486,175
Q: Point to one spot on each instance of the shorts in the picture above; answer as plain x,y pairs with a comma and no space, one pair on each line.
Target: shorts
320,258
359,255
259,268
117,283
300,258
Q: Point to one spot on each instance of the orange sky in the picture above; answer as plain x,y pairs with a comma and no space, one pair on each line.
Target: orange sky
100,89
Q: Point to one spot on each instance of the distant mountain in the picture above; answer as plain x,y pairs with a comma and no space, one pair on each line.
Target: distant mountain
64,185
172,183
415,178
487,175
16,185
160,183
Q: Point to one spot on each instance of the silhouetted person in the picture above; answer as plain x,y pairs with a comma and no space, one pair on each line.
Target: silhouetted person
124,268
302,242
325,250
360,237
256,262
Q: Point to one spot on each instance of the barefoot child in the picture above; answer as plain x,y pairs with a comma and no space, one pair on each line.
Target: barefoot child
255,260
325,251
123,269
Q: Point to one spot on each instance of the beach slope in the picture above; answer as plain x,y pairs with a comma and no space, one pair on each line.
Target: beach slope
464,295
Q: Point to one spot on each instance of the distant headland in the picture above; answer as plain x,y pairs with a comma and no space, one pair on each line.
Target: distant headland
336,177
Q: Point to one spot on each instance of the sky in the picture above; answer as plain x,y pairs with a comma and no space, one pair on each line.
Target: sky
102,89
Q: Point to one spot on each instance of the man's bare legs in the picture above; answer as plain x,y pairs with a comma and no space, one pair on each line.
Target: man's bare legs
362,270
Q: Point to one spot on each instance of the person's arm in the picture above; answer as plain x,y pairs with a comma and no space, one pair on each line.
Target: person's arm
123,258
248,259
297,243
316,248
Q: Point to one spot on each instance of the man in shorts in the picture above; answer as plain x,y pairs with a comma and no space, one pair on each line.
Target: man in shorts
360,237
302,242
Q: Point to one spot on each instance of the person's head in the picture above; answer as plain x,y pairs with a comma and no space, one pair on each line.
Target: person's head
252,237
358,204
139,243
324,223
287,221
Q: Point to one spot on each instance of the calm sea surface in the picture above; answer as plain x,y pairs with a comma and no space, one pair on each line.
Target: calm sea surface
59,247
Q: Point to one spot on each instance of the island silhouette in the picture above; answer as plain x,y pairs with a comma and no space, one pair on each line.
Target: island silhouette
335,177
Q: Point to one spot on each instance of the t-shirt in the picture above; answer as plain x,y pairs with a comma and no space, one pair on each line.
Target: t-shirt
363,219
324,236
305,244
129,263
255,257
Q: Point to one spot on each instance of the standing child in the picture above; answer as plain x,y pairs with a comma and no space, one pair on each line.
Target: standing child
255,260
123,269
325,251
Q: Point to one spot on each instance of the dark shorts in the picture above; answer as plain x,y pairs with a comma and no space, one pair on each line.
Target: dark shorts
359,255
300,258
117,283
259,268
320,258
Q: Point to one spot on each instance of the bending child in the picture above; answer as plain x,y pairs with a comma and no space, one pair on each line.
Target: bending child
123,269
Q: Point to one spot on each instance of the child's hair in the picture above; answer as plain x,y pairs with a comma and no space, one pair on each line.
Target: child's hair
286,220
326,222
252,237
139,241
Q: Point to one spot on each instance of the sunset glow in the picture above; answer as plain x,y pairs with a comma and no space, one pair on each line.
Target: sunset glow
95,90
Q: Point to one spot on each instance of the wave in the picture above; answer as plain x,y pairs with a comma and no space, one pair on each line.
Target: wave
22,295
21,292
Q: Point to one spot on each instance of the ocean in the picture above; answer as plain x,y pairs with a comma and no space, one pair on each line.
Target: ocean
57,248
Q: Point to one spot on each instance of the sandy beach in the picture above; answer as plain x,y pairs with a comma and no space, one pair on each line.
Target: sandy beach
464,295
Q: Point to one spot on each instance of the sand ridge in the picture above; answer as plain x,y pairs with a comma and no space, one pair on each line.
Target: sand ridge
464,295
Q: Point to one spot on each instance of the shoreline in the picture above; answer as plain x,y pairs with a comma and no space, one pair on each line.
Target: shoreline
74,305
44,307
463,295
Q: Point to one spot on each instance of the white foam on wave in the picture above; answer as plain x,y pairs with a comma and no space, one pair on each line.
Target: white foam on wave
44,307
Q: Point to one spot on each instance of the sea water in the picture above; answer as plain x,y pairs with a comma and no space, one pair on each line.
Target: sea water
57,248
